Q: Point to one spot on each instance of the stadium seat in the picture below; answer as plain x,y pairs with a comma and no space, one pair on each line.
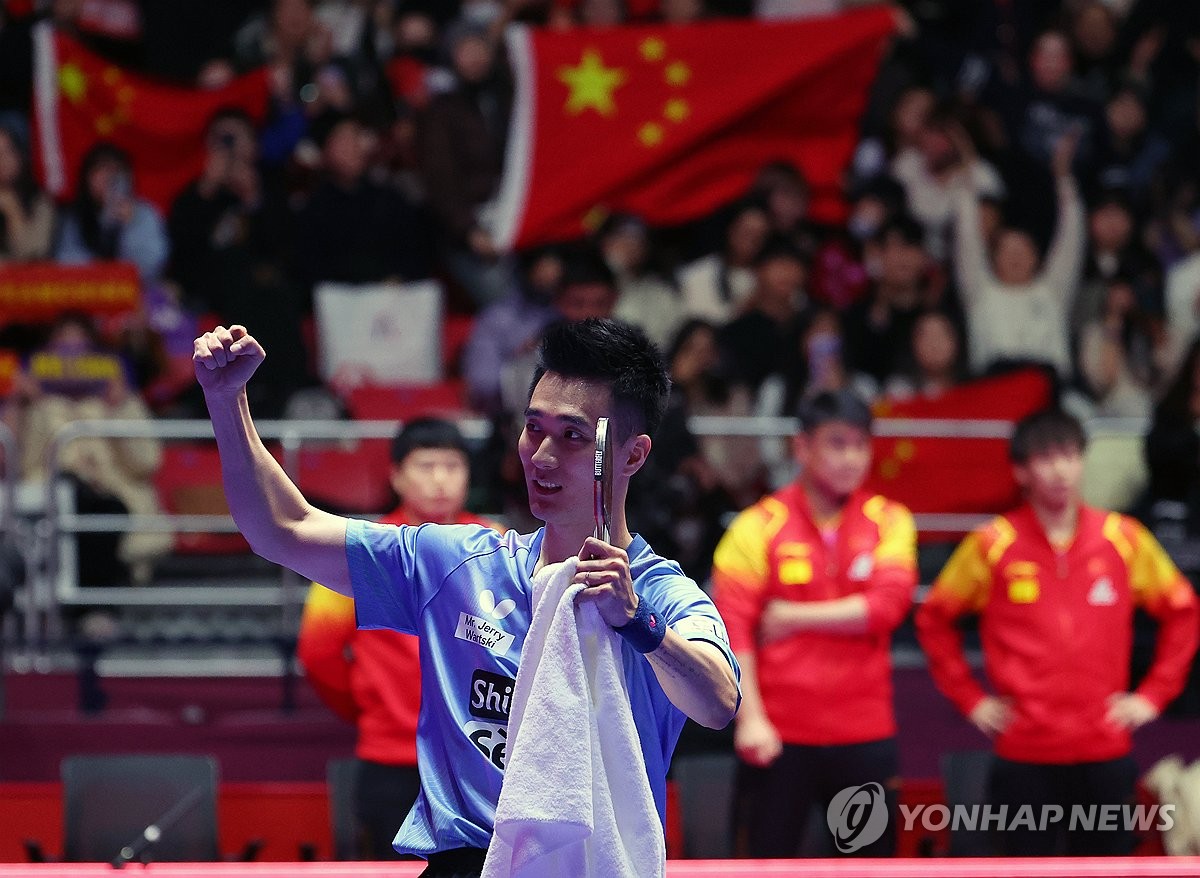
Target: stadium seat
110,800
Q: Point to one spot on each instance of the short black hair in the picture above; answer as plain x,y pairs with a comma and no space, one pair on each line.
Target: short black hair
903,226
834,406
780,247
585,266
230,113
1044,430
427,433
618,354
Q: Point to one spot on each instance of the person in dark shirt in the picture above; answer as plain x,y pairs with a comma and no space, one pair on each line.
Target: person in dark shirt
230,236
352,229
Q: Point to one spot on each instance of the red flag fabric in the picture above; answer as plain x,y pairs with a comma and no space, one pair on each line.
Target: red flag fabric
81,99
963,473
670,122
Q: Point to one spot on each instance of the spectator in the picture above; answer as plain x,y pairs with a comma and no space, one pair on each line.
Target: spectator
1052,105
1094,33
1129,151
879,327
811,582
699,383
352,229
361,42
1016,309
682,511
107,220
823,367
644,297
26,214
1121,355
931,169
371,677
906,122
509,329
1171,505
77,377
411,72
765,339
1114,250
785,192
846,260
819,367
716,287
297,48
462,149
1061,715
938,361
231,246
587,290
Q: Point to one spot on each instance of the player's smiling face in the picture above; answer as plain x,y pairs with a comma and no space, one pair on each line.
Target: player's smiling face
557,449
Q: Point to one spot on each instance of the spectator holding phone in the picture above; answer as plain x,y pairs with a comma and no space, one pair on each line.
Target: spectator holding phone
108,220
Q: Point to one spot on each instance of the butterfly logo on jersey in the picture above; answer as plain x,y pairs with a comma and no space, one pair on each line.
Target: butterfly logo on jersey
498,611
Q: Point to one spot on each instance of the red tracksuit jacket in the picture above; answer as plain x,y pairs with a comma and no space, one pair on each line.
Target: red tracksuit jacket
1057,629
820,688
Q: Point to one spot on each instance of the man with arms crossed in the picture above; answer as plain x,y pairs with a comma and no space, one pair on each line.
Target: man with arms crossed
812,581
466,590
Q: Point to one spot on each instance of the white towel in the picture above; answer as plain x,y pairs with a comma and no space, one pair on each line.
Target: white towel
576,800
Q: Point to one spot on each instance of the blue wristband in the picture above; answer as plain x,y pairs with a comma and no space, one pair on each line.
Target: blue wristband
646,630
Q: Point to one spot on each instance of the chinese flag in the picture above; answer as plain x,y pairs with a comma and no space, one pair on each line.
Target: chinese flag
671,122
81,99
968,473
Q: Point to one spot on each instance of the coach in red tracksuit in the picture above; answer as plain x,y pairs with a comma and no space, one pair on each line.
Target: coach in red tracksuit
1055,585
371,677
811,581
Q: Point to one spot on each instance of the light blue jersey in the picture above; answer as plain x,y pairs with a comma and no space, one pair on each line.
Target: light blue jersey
466,591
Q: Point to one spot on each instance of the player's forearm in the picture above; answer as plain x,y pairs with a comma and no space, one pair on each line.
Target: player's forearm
697,678
265,505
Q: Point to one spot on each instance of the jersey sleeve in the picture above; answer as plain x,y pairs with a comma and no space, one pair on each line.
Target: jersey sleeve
1164,592
740,573
691,613
893,579
961,588
322,646
395,570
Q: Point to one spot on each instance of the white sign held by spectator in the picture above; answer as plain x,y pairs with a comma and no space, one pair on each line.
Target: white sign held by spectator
385,333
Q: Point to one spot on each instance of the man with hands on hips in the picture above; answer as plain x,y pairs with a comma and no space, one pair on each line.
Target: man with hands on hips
465,590
1054,584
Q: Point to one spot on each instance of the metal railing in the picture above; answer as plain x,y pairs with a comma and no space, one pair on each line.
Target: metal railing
53,537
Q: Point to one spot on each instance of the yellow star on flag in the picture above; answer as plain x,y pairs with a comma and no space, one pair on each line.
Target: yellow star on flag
676,110
678,73
72,82
591,84
650,134
653,49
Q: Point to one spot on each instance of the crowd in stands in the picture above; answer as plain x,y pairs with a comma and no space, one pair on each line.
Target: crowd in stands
1024,191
